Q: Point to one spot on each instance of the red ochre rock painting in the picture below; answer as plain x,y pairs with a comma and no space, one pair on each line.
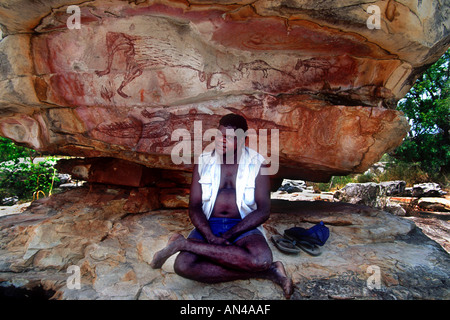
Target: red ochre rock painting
134,73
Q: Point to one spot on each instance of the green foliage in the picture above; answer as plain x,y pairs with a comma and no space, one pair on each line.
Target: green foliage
336,182
411,173
27,180
22,178
339,182
366,177
427,106
10,151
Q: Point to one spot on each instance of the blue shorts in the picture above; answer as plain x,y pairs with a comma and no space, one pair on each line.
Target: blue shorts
221,225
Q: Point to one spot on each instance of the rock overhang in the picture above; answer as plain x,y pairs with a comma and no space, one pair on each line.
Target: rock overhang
136,72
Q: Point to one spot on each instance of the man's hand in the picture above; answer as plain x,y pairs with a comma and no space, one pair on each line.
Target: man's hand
218,240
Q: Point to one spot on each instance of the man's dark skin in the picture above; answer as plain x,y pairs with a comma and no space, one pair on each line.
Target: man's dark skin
218,259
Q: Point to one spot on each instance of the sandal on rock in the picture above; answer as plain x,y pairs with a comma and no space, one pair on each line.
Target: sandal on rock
285,245
309,248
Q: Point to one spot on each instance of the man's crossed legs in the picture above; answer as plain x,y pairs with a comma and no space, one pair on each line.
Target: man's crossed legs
248,257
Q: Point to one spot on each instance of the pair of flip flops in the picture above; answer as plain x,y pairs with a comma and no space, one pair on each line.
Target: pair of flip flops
296,239
294,247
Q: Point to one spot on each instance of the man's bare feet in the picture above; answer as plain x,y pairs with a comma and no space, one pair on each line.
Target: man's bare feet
173,246
277,273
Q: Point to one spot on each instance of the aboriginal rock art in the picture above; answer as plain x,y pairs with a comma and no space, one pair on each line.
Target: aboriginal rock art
129,128
261,65
146,52
142,131
313,63
323,70
107,93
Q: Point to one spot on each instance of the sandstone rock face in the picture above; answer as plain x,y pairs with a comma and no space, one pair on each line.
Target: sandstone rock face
112,247
136,71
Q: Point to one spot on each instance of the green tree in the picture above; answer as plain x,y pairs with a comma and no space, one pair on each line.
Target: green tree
10,151
427,107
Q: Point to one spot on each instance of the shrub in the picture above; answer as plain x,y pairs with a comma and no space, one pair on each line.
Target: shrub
366,177
27,180
411,173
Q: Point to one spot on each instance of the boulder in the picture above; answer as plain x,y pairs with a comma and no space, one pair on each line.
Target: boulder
359,193
291,186
394,208
137,71
434,204
393,188
429,189
370,193
370,254
9,201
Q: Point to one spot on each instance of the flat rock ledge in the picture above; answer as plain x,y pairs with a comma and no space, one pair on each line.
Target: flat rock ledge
371,254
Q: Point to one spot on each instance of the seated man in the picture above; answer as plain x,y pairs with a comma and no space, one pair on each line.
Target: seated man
228,204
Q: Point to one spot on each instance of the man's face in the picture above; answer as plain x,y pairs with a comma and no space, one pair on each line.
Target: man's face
229,140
